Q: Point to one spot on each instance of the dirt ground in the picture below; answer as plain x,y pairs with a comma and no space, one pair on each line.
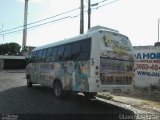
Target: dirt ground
140,98
148,99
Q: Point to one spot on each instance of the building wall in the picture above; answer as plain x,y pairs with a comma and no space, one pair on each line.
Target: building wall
12,62
1,64
147,65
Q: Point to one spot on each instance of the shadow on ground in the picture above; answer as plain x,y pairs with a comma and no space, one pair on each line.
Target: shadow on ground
40,101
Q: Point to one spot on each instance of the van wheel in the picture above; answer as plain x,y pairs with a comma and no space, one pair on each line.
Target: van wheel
29,83
90,95
58,90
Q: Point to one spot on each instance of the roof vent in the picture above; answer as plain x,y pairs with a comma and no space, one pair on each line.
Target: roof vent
102,28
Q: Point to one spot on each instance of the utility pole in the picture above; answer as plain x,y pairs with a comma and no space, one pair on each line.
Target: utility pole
158,29
89,14
25,25
158,43
2,31
81,18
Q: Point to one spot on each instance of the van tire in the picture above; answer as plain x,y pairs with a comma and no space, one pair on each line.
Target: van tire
29,83
58,90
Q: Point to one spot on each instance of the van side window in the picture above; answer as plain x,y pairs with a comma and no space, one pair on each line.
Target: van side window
36,56
33,55
85,49
75,50
67,52
60,52
29,58
49,53
43,59
54,54
39,56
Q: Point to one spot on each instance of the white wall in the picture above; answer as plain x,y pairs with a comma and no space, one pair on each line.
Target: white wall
147,65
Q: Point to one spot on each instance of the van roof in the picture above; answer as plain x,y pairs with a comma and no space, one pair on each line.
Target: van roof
81,36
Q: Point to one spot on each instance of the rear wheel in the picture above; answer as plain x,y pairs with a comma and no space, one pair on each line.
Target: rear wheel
29,83
58,90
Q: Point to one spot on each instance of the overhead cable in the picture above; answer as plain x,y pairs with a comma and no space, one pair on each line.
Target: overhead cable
66,17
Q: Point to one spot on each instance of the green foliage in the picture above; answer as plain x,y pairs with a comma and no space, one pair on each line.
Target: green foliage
9,49
157,44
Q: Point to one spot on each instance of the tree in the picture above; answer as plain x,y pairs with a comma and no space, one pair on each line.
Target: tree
157,44
9,49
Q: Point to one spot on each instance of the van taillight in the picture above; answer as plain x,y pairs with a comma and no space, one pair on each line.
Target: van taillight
97,70
96,73
97,67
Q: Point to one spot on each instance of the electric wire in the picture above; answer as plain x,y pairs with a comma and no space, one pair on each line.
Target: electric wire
40,20
39,24
66,17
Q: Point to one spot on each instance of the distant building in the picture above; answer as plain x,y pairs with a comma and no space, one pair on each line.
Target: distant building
12,62
147,65
15,62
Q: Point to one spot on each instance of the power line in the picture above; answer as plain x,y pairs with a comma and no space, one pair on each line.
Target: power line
38,25
106,4
103,1
41,20
52,20
46,19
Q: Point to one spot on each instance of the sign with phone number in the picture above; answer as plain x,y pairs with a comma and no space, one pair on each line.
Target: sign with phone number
141,66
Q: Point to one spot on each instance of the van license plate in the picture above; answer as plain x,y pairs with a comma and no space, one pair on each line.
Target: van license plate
116,90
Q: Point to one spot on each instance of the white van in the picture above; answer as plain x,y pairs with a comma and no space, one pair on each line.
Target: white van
99,60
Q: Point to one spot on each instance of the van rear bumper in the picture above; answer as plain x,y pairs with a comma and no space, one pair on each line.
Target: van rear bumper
116,88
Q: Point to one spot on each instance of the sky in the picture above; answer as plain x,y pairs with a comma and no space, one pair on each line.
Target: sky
137,19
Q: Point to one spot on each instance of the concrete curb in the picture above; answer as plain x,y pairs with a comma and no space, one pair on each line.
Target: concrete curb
109,99
15,71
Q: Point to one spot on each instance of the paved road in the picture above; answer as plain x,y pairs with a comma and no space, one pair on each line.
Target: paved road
16,98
